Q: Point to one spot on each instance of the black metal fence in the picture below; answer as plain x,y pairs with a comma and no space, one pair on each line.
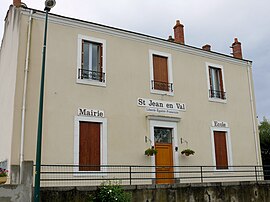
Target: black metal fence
164,86
91,74
217,94
72,175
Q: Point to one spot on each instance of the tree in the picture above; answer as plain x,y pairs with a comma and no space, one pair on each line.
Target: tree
264,129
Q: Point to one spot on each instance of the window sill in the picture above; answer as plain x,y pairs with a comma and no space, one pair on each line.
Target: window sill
160,92
224,101
91,82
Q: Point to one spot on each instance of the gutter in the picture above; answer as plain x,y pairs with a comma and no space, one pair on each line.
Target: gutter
253,115
25,91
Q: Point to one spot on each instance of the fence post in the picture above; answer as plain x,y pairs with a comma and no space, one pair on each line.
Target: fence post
201,174
129,175
256,173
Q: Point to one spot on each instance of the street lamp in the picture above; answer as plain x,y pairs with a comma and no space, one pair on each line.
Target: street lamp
48,5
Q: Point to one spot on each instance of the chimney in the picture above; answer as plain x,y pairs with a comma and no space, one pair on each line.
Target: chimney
179,33
206,47
17,3
237,50
170,39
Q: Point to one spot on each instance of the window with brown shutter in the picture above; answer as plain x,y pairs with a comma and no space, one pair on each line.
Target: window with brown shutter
221,153
216,83
91,61
160,71
89,148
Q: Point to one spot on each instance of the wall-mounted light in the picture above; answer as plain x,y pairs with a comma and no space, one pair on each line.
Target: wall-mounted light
182,140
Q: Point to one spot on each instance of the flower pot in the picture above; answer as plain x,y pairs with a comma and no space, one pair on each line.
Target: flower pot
3,180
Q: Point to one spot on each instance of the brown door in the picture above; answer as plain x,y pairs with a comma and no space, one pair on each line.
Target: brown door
164,163
221,150
164,157
89,149
160,73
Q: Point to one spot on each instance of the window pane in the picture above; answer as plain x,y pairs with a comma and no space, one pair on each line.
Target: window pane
216,80
95,57
163,135
86,55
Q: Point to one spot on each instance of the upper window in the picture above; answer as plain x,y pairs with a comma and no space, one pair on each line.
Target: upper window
91,61
161,73
216,83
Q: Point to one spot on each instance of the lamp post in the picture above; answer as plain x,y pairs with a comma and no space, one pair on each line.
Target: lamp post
48,5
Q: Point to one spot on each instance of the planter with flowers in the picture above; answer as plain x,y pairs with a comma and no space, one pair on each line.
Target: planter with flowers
150,151
188,152
3,175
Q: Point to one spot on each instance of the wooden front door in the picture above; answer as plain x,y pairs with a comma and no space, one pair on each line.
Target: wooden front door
221,150
164,157
89,149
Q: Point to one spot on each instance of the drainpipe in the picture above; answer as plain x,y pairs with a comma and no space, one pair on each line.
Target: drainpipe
253,114
24,91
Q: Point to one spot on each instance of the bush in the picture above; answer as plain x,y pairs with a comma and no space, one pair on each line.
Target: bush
110,191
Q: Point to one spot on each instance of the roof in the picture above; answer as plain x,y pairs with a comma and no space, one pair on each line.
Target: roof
139,34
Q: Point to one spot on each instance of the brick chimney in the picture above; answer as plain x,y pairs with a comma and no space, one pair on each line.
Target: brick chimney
17,3
206,47
237,50
179,33
170,39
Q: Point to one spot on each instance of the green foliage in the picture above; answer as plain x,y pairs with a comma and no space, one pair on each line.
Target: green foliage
110,191
3,172
264,129
150,151
188,152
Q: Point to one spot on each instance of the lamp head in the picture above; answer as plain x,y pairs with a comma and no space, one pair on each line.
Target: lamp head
49,4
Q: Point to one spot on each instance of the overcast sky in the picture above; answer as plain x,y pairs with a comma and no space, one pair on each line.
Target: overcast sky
215,22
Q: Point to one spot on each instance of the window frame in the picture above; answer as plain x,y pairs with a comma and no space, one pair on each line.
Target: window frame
170,75
103,144
79,60
215,99
228,144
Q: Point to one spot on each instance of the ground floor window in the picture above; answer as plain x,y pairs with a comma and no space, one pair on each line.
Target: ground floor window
90,143
89,146
221,150
221,144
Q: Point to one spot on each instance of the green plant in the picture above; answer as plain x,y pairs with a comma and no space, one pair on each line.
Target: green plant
150,151
3,172
110,191
188,152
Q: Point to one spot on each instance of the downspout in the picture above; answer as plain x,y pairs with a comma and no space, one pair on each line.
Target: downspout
253,114
25,91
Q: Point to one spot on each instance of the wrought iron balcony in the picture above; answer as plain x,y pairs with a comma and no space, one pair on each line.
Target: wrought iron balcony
159,85
91,75
217,94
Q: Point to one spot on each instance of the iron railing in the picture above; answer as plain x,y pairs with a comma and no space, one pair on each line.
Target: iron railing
69,175
159,85
217,94
92,75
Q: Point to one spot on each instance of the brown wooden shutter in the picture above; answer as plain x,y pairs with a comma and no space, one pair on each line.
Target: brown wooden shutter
160,66
89,149
221,150
210,81
221,84
101,61
82,54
